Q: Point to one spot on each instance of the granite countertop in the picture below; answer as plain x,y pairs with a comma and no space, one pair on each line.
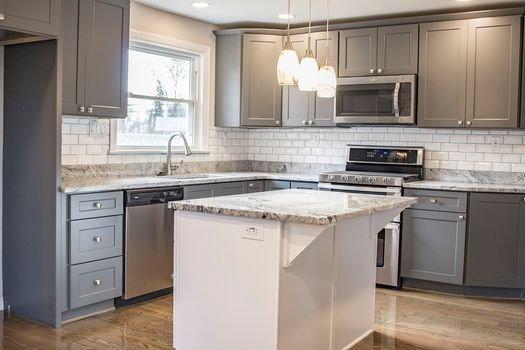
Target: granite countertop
299,206
87,185
464,186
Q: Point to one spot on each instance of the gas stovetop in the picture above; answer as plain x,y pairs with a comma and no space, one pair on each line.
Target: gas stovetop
368,178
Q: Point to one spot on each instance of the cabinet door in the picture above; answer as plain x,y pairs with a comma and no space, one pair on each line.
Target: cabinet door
322,112
433,246
496,243
229,189
274,185
73,63
300,185
442,74
357,52
198,191
397,49
297,104
261,92
106,24
35,16
493,74
255,186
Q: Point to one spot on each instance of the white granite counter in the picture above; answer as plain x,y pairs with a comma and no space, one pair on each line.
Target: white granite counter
87,185
464,186
299,206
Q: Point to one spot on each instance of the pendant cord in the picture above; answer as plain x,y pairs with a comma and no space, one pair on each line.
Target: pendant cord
310,26
289,15
327,29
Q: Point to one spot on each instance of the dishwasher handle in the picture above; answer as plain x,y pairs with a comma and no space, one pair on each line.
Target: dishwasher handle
154,196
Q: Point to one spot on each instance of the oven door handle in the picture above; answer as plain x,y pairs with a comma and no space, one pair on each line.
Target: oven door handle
387,190
396,99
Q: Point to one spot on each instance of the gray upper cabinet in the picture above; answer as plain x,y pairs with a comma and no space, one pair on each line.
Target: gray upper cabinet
247,90
493,72
301,108
442,74
496,242
96,74
433,246
357,52
33,16
397,49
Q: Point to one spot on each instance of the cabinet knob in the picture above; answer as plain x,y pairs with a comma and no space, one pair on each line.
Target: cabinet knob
304,122
97,205
251,184
81,109
97,282
469,123
460,122
90,109
97,239
310,122
433,200
2,17
379,70
277,122
461,217
372,71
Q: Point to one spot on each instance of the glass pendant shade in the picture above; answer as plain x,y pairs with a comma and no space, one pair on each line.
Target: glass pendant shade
287,66
308,74
327,81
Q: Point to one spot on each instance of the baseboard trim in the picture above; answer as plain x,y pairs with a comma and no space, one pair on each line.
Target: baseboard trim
359,339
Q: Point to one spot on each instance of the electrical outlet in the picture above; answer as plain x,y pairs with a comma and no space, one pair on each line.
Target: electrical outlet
255,232
495,143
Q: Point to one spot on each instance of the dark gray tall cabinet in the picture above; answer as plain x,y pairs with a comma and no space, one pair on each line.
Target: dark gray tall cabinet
96,41
39,17
496,241
469,73
302,108
247,92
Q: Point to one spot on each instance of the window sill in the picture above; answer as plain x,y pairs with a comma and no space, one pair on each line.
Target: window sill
152,152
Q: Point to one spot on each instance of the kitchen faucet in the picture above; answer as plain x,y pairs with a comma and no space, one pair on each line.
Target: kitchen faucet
170,168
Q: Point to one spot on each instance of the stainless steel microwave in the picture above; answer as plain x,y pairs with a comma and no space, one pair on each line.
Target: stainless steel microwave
376,100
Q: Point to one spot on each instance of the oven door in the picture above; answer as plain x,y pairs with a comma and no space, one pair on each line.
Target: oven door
387,272
376,100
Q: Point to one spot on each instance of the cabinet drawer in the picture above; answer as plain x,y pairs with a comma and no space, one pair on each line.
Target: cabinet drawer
255,186
95,281
455,202
300,185
95,239
274,185
85,206
198,191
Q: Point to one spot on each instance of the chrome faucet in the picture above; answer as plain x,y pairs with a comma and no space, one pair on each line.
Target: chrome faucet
170,168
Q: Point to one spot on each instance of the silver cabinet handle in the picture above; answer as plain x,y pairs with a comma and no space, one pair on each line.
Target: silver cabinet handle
460,122
304,122
372,71
433,200
81,109
396,99
469,123
90,109
277,122
2,16
251,184
379,70
97,282
97,205
310,122
461,217
97,239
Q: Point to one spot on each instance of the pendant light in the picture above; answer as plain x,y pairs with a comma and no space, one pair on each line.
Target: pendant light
308,75
288,62
327,78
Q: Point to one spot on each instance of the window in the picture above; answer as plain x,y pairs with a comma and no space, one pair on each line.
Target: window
162,99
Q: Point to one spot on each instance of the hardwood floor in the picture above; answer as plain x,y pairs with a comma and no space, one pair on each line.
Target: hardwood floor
405,320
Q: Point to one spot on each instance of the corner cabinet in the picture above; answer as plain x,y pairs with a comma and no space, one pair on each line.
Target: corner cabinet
247,90
303,108
95,53
496,241
37,17
375,51
469,73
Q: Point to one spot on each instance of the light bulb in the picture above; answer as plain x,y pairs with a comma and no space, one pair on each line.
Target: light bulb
308,74
327,81
287,66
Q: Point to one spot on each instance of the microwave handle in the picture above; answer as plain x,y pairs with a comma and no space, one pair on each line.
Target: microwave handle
396,99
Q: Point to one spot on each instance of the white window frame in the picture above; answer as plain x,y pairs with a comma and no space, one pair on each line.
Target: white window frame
202,83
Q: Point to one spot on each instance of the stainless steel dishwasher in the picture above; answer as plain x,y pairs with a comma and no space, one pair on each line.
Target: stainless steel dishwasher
148,252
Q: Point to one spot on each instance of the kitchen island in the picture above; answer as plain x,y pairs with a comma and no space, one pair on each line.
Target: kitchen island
292,269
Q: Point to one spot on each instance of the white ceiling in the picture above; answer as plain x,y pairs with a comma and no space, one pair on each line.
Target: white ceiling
234,12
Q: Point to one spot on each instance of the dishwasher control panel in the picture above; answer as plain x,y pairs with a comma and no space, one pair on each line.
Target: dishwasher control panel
153,196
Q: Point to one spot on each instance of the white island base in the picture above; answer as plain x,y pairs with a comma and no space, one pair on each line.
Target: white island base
256,284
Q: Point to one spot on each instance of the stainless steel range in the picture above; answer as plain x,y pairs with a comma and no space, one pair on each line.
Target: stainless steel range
379,170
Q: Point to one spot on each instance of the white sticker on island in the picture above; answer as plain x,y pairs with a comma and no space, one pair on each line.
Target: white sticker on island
255,232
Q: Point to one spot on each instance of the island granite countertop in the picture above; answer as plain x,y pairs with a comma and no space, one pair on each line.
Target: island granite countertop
299,206
464,186
103,184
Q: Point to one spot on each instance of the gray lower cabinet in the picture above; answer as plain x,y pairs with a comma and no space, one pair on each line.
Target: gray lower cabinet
442,74
493,72
92,205
247,90
255,186
496,241
455,202
357,52
198,191
302,108
95,44
229,189
433,246
274,185
38,17
397,49
303,185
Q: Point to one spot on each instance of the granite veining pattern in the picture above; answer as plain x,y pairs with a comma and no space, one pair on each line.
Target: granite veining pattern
100,184
465,186
299,206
